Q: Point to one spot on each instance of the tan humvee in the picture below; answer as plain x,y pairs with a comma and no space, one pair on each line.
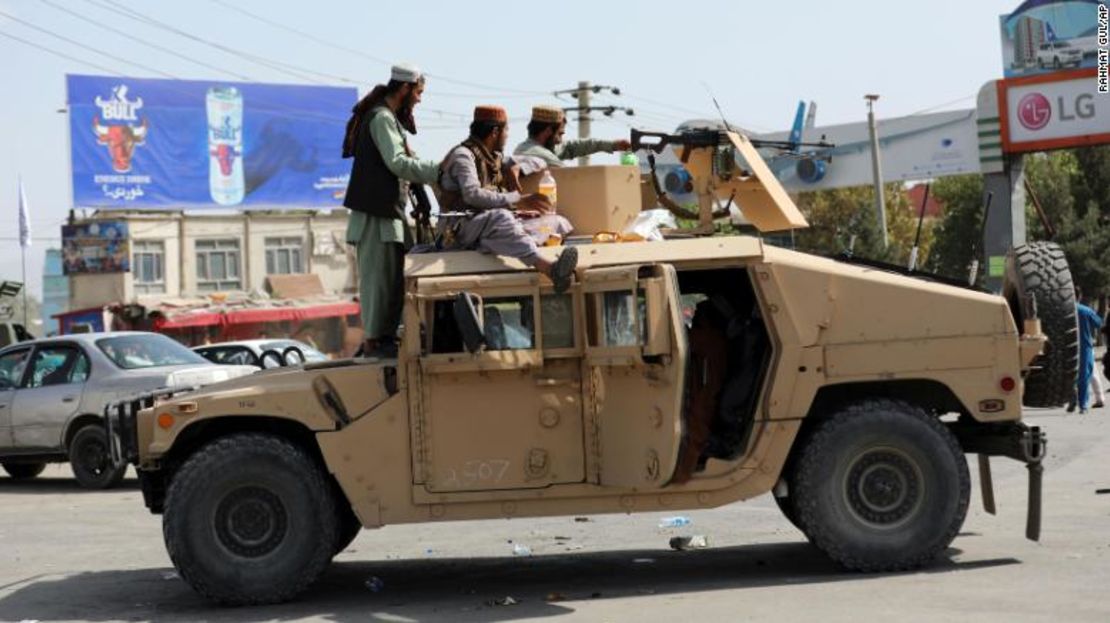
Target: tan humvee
681,374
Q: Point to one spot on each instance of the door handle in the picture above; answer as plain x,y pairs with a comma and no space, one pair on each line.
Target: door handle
69,399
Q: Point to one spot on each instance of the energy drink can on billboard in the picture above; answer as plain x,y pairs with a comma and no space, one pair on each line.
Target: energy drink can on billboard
225,145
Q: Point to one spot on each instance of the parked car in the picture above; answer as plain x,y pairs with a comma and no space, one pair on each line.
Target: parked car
261,353
53,393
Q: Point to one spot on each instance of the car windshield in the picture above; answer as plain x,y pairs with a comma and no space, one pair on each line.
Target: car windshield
132,352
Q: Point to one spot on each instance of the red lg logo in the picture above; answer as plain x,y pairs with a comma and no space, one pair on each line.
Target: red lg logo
1034,111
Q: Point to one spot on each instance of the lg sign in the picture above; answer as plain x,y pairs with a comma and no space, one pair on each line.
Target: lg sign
1054,114
1034,111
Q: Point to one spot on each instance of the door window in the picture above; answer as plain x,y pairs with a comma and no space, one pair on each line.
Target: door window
12,366
508,324
58,365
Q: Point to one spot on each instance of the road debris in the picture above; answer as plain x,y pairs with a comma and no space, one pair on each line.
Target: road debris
504,601
375,584
697,541
674,522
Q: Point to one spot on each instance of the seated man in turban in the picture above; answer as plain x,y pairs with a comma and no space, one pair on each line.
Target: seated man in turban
545,139
481,203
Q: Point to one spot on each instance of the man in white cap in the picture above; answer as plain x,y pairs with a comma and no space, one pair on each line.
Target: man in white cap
377,194
545,139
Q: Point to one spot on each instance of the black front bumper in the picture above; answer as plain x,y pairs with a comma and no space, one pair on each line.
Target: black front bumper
1014,440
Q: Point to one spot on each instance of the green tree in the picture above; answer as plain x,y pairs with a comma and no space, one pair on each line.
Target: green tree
844,219
957,233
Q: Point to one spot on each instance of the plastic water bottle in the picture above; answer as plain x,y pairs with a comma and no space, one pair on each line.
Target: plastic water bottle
547,186
674,522
521,550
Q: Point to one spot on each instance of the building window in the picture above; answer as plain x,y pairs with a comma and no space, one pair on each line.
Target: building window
283,255
218,265
147,266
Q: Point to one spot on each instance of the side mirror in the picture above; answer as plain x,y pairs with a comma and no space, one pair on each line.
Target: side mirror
468,316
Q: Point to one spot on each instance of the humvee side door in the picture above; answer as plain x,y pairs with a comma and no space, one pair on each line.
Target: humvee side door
636,358
583,387
509,417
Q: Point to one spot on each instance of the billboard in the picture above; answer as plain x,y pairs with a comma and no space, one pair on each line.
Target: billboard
173,144
1043,36
96,247
1053,112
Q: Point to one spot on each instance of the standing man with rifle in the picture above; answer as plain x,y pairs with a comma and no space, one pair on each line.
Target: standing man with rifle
377,193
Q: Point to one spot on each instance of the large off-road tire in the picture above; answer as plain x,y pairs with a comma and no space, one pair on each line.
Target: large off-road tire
24,471
347,526
91,459
786,505
249,519
1040,269
881,486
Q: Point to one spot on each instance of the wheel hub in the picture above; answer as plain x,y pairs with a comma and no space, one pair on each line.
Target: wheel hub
883,487
251,521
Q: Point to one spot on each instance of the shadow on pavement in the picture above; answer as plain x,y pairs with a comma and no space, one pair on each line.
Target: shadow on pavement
58,485
455,589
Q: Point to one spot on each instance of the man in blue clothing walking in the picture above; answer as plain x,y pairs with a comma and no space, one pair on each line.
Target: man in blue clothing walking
1089,324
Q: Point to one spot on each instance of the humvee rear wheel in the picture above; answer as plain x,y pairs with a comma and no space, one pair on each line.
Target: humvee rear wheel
1041,270
248,519
881,486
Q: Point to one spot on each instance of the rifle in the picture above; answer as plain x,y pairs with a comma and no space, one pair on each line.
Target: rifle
422,214
693,139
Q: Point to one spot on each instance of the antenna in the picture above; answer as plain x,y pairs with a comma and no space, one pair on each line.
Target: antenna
717,106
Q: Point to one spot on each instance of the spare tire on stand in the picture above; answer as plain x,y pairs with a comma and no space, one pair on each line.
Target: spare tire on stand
1040,270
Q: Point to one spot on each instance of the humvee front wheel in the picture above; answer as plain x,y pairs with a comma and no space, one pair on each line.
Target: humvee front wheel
881,486
248,519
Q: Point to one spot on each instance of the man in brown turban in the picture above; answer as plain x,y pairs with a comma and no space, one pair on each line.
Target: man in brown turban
481,203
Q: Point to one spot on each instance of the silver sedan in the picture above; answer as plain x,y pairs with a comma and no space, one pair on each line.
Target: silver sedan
53,393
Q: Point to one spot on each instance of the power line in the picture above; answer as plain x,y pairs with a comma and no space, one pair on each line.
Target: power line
109,5
56,53
286,68
142,41
83,46
377,59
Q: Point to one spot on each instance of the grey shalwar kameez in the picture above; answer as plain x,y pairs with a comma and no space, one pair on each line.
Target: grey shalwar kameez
489,225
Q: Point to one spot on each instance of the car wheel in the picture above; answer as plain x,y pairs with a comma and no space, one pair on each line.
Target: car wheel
1056,62
24,471
882,486
250,519
91,459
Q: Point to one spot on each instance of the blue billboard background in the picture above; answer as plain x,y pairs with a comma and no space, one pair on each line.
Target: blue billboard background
173,144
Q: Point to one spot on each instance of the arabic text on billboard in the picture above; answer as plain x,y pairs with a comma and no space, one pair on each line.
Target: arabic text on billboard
1043,36
172,144
96,247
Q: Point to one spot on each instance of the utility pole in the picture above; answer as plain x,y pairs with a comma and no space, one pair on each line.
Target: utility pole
582,94
876,168
583,117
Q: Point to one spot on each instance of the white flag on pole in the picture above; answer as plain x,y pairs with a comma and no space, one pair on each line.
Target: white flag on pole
24,218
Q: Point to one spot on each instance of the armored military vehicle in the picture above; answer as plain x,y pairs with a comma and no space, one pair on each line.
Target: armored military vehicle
678,374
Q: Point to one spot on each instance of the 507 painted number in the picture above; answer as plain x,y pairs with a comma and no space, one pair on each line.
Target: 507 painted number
476,473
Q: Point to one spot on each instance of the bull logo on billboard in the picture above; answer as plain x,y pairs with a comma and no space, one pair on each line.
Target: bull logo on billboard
119,131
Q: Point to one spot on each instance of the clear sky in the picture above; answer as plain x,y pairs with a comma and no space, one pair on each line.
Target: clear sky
758,58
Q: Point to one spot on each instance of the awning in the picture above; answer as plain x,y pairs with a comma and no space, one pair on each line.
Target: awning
255,315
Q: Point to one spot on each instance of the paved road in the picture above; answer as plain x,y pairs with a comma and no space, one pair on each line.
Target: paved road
67,554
